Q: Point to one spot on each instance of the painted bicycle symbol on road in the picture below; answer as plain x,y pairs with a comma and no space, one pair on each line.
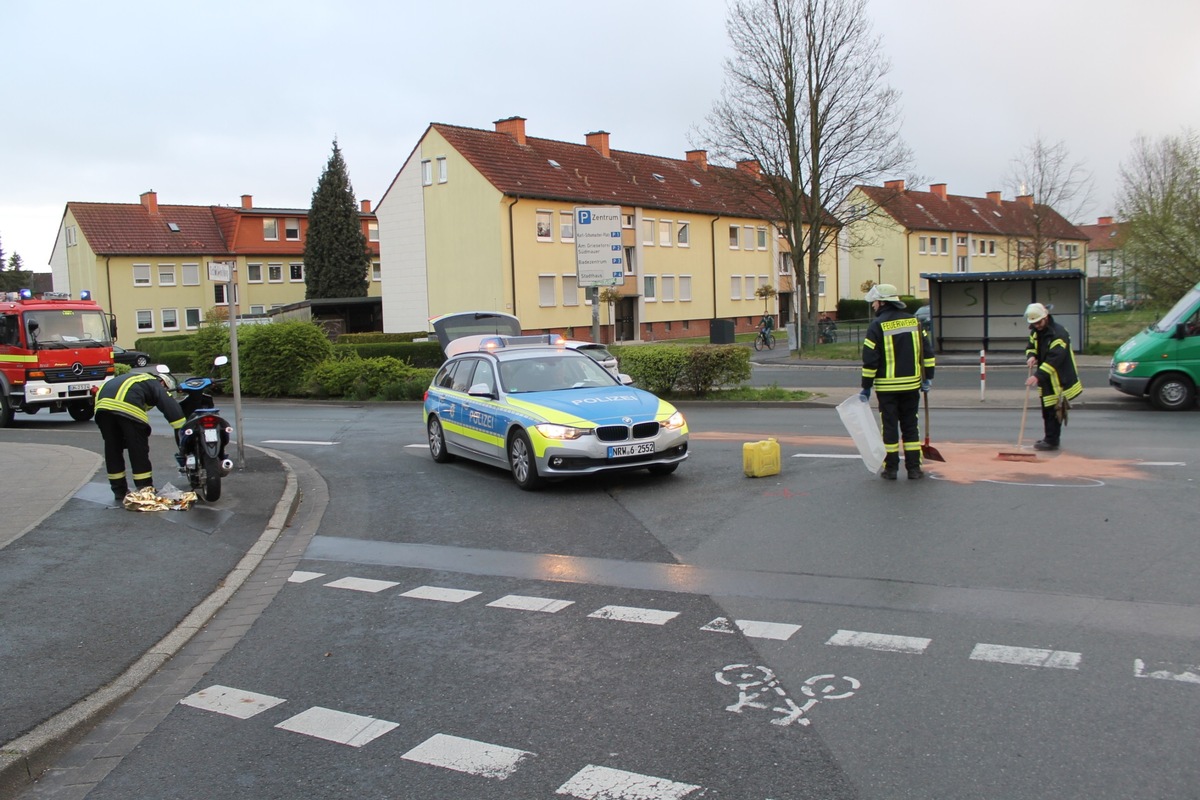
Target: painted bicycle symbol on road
759,688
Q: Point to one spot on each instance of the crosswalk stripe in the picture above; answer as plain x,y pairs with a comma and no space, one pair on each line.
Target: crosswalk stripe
755,629
647,616
300,576
361,584
1026,656
467,755
440,594
879,641
604,783
231,702
337,726
523,603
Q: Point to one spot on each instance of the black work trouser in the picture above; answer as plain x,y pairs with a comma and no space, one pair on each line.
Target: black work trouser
898,413
1052,424
123,433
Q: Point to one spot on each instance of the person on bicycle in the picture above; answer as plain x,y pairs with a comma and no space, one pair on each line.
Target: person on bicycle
766,325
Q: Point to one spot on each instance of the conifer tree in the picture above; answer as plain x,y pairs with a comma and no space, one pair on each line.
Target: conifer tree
336,257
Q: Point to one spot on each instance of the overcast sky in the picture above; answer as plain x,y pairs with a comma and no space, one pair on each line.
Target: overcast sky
205,102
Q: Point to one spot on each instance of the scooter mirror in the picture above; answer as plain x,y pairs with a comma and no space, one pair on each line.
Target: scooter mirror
220,361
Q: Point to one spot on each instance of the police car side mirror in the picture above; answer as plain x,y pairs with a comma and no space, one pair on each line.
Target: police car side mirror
482,390
626,380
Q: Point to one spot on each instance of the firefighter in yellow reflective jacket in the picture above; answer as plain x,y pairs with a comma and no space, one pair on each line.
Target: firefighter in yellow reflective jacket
1057,377
897,359
121,406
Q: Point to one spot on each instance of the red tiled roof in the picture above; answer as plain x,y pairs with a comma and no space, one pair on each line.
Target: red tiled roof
130,229
583,175
927,211
1104,237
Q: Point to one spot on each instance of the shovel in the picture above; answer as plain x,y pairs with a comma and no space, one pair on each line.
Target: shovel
928,451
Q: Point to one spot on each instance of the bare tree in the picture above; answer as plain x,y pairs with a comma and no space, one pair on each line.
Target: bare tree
1160,202
805,97
1061,190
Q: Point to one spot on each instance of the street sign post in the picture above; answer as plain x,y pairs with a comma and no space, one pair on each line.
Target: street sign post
222,272
599,254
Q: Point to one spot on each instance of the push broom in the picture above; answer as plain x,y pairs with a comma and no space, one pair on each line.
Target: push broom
1020,455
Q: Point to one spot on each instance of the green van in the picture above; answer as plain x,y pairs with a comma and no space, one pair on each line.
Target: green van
1163,361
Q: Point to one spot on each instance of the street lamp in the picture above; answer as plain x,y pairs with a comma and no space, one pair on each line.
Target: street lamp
879,270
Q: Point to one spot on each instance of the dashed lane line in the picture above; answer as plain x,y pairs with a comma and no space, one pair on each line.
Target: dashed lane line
1026,656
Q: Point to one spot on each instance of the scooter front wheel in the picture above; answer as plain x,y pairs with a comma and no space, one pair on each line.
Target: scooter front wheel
210,483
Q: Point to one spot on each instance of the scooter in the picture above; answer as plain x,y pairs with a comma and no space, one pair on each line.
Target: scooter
204,435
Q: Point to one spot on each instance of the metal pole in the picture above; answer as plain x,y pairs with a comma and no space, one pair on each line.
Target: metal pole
236,375
595,293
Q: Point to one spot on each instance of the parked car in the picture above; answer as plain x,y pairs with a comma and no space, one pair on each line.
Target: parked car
598,353
134,358
545,412
1109,302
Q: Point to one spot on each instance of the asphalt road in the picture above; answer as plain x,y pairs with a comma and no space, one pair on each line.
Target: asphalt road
1017,631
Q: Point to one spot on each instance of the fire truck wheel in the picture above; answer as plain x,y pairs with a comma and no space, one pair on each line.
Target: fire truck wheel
6,412
81,412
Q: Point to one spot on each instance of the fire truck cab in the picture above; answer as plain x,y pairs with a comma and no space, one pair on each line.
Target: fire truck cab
55,352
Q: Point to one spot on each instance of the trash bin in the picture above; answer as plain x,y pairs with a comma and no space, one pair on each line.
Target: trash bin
720,331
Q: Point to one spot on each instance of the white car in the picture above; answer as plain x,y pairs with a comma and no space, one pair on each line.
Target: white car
1109,302
598,353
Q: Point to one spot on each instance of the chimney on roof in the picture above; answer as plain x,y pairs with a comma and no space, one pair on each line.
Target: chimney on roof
247,201
598,141
150,201
513,126
896,185
939,189
366,206
1104,221
995,198
1027,199
698,157
750,165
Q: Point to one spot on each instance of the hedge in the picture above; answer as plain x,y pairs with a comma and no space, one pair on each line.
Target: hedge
419,354
699,369
379,338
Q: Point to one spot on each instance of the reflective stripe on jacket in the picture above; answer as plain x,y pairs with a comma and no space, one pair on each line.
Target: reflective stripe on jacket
135,393
896,352
1056,373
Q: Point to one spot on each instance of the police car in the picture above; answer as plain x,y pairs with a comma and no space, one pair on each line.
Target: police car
531,405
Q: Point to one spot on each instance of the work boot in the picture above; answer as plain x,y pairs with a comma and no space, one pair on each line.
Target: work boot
1042,444
888,474
915,474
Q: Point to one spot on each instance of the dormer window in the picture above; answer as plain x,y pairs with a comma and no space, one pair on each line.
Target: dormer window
173,227
554,163
658,177
271,229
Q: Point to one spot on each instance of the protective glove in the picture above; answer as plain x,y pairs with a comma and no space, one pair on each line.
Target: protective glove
926,384
865,394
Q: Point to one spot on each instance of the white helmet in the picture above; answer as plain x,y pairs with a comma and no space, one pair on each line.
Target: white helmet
1035,312
883,292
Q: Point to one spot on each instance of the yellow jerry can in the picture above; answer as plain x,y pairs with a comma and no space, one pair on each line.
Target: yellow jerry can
760,459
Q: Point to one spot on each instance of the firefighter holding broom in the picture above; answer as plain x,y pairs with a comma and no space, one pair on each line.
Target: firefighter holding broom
898,361
1056,376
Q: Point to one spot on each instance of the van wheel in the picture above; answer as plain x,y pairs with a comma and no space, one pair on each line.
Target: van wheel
81,411
1172,392
6,411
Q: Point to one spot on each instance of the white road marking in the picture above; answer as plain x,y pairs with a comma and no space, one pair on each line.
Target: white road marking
440,594
467,755
418,446
361,584
1026,656
523,603
854,456
299,441
879,641
337,726
753,628
300,576
604,783
231,702
1162,463
1187,673
648,616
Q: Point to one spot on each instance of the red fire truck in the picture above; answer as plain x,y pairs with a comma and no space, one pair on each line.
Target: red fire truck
54,353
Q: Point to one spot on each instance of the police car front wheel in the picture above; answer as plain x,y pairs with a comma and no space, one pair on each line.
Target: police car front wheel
522,462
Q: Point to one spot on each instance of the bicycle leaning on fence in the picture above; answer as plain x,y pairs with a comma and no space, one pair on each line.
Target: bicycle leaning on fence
764,338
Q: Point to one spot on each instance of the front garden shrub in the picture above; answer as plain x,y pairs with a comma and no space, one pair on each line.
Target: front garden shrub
275,359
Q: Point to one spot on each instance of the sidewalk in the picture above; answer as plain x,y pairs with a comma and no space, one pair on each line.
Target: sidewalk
96,598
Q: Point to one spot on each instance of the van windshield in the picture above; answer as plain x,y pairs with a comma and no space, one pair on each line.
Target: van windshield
1181,311
67,328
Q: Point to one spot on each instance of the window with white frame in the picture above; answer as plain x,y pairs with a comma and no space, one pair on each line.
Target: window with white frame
685,288
220,298
443,175
376,271
960,264
785,263
629,254
748,237
274,273
734,233
751,284
191,274
426,172
372,230
71,236
821,285
192,318
735,287
291,229
664,233
145,320
270,229
254,273
961,241
166,274
945,245
650,293
761,233
570,290
170,319
141,274
545,229
545,290
258,310
921,245
683,234
566,226
668,288
991,247
296,272
627,221
648,228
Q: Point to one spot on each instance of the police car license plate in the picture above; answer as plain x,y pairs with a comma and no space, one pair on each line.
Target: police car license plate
210,435
78,387
621,450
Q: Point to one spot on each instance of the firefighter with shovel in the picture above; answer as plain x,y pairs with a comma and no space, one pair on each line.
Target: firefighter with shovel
1056,375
